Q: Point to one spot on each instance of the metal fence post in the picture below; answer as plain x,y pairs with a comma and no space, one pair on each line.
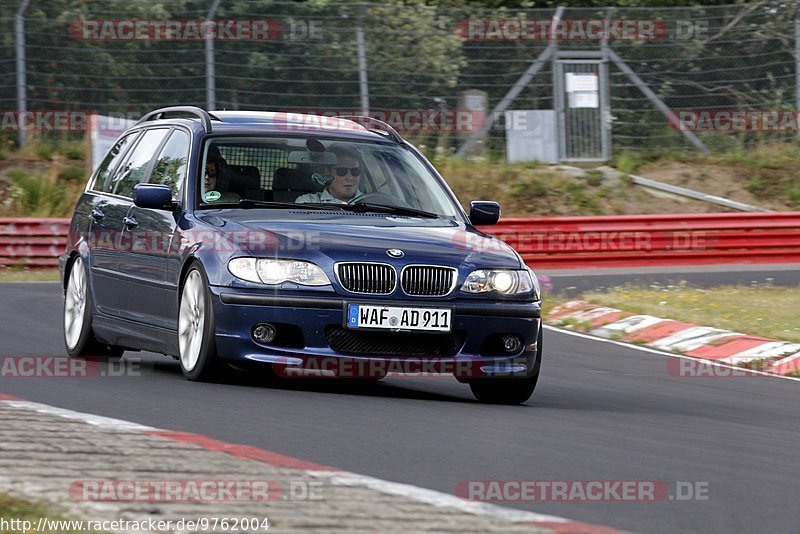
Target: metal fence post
211,88
363,84
605,92
514,92
662,107
797,63
22,99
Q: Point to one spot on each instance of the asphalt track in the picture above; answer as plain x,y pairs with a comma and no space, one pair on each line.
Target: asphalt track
601,412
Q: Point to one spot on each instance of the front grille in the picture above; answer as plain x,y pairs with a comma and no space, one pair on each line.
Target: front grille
365,343
428,281
367,278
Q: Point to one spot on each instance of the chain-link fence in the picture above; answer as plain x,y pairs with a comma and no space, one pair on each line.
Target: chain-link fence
674,75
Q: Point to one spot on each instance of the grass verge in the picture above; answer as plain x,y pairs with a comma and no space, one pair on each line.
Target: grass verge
768,171
28,275
17,511
766,311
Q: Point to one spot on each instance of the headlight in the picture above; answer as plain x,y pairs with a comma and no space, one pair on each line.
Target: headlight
504,281
264,271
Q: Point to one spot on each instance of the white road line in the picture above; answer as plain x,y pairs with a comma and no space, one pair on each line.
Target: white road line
661,352
96,420
434,498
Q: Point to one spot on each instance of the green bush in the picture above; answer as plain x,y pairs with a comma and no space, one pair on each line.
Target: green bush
45,151
794,194
72,173
756,185
72,150
594,177
36,196
627,162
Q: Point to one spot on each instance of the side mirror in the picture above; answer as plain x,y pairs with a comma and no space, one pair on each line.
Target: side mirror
484,213
152,196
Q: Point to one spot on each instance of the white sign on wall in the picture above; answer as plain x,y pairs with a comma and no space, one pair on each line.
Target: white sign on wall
583,90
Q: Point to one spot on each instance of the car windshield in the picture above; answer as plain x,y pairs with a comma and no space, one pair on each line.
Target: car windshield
319,173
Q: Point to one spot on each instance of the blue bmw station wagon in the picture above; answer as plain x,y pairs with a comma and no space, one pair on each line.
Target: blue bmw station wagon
294,243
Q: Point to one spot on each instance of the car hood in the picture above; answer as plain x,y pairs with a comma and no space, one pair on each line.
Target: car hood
436,242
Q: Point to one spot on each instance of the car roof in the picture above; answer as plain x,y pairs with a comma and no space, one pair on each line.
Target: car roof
271,122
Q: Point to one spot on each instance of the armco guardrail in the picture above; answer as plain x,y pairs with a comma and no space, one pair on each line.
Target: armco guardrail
548,242
32,242
652,240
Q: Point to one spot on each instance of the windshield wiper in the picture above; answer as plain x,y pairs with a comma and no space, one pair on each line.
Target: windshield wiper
247,203
361,207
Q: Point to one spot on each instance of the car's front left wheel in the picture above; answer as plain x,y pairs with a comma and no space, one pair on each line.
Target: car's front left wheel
198,349
509,390
79,338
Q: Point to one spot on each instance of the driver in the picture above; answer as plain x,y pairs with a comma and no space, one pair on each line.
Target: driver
345,176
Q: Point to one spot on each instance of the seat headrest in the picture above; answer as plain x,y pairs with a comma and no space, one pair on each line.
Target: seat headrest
295,180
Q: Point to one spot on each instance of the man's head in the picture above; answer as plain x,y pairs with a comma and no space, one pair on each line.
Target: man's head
346,173
214,166
211,176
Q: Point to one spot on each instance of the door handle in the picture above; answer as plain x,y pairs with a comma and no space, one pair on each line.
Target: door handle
96,215
130,222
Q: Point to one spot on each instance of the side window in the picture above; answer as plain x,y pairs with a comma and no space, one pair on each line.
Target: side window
133,170
170,168
379,179
110,162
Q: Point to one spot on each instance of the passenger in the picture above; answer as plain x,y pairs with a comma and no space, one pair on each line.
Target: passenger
214,184
344,178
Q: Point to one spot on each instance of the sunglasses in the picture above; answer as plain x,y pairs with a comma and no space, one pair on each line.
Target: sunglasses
341,171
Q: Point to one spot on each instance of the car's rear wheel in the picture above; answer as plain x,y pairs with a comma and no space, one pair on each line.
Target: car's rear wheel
509,390
198,349
79,338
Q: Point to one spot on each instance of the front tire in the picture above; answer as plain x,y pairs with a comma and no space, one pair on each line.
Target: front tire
509,390
196,343
79,337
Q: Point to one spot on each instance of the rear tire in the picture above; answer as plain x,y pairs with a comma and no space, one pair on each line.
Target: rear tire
196,342
79,338
509,390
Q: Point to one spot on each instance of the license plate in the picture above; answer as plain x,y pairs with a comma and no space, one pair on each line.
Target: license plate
398,318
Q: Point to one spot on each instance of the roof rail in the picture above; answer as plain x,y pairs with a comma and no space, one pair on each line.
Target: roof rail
205,117
387,129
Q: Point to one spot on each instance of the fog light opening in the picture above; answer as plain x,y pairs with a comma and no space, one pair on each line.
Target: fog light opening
264,333
512,344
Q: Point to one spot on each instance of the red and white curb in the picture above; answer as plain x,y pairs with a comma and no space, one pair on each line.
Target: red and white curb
701,342
332,475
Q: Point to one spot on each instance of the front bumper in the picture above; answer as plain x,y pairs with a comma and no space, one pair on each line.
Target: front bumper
237,311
